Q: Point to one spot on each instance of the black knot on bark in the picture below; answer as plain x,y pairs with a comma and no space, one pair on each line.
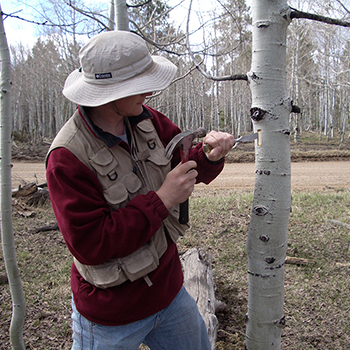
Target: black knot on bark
257,114
270,260
264,238
260,210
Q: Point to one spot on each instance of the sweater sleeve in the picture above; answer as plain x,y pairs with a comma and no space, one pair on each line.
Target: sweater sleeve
94,233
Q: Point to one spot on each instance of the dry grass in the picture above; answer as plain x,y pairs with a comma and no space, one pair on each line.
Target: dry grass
317,301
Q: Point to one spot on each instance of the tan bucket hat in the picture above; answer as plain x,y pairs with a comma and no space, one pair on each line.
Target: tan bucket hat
114,65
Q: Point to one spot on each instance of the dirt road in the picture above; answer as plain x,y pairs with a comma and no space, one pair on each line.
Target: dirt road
235,175
304,175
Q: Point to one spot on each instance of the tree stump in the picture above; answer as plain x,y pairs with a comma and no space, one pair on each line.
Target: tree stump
199,283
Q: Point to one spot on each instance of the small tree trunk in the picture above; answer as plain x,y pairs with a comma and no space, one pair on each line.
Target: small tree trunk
18,302
111,17
122,19
267,236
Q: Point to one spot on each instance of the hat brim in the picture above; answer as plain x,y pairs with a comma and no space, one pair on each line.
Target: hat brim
157,78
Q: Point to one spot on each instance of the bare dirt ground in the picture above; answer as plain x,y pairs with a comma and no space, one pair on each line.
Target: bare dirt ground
234,175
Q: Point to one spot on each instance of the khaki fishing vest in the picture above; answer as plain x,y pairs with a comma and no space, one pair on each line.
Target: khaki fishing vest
123,176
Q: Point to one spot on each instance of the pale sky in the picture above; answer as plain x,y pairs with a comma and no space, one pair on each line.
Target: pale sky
15,29
19,31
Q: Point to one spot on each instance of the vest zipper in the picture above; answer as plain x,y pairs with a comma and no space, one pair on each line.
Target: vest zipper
137,169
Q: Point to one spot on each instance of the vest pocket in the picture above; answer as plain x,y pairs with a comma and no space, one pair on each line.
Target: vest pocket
119,184
134,269
122,190
157,157
104,275
103,162
116,271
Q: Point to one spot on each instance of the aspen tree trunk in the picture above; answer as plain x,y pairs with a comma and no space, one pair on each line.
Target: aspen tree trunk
267,236
111,17
18,302
121,12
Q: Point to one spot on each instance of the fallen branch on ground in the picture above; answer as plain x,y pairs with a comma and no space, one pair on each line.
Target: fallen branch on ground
336,222
299,261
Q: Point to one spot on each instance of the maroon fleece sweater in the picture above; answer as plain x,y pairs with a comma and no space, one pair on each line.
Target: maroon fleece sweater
94,233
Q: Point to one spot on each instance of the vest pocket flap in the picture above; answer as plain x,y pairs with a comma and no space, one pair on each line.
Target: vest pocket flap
116,194
103,162
106,273
139,263
157,157
119,191
131,182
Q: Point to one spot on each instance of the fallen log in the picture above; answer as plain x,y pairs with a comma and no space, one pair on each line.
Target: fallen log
336,222
25,191
199,283
302,261
338,264
49,227
33,194
299,261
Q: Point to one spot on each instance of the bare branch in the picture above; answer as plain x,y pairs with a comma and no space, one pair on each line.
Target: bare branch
197,65
184,75
299,14
139,5
161,47
343,6
336,222
158,93
27,20
87,14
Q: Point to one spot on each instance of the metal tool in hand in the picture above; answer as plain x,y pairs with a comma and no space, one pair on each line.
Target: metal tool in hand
183,141
246,138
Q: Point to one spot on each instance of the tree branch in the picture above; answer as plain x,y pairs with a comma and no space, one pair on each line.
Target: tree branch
25,20
336,222
343,6
197,65
139,5
299,14
89,15
161,47
174,81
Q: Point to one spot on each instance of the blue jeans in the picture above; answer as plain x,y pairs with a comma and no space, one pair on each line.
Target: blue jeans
177,327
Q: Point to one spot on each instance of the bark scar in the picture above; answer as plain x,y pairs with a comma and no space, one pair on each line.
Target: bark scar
257,114
260,210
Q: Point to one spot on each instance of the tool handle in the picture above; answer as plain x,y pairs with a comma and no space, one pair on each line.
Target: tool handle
183,217
207,148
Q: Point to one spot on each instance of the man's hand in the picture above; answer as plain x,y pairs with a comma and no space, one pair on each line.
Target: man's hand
221,143
178,184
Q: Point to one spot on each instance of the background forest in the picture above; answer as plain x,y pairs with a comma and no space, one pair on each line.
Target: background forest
318,66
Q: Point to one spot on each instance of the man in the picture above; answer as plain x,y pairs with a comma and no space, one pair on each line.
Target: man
116,198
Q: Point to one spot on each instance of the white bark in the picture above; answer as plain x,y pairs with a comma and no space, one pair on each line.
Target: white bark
111,17
267,236
18,302
121,11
